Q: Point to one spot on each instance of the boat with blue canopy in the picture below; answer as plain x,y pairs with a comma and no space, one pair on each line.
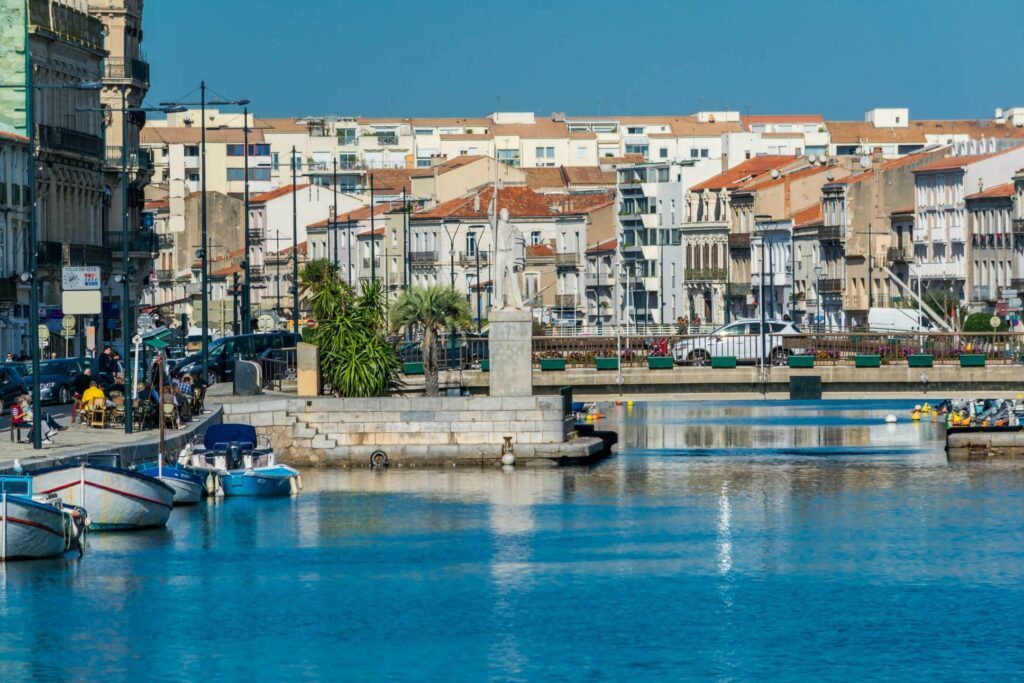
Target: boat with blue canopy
242,466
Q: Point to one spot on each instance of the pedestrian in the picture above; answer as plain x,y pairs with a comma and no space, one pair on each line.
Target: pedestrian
10,357
52,426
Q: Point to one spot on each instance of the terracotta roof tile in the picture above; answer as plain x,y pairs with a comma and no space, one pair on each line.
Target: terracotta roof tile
190,135
607,245
948,163
809,215
390,180
13,136
265,197
540,250
360,214
765,180
445,166
850,132
744,172
1004,190
521,202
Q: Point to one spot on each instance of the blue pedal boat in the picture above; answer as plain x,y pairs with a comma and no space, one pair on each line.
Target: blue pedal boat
244,468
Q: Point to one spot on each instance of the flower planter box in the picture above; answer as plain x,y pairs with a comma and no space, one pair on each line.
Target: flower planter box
660,363
801,361
723,362
606,363
868,360
972,360
485,365
920,360
551,364
412,368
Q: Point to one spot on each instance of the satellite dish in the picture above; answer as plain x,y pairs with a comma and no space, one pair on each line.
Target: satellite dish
775,173
830,177
865,162
812,159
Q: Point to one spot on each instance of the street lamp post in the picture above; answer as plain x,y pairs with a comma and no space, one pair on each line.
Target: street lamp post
246,264
31,275
817,291
295,249
761,221
204,260
373,239
334,214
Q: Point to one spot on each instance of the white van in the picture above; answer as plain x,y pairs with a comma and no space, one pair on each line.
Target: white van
898,320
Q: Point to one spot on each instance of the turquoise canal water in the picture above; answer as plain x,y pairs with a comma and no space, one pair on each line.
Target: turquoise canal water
734,541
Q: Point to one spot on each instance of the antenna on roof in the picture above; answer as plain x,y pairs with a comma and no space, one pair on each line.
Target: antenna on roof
775,173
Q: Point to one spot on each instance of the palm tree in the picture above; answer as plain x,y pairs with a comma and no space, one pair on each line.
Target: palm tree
431,310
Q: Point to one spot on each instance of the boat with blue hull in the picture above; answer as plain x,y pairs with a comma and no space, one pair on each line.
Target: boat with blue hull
35,527
188,486
117,498
242,467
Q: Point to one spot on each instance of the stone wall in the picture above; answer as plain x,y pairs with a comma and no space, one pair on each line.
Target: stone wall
417,431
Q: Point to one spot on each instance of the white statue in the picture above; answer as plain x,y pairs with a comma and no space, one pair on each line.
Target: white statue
509,260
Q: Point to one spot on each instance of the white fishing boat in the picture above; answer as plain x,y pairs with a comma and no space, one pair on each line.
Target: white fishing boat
36,527
117,498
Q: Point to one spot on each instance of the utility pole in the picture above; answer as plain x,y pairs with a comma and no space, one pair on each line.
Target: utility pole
373,260
295,248
246,303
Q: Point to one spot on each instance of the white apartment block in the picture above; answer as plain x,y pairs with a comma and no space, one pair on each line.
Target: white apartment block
940,225
14,249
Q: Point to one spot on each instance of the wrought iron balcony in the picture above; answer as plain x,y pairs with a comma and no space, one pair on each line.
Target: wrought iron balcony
165,276
371,263
565,300
739,240
832,233
469,259
898,255
165,241
137,158
831,285
422,257
737,289
704,274
139,242
1018,226
125,69
67,140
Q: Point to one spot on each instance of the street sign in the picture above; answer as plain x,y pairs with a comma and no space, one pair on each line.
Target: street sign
44,333
994,321
79,278
81,302
136,340
144,323
68,323
265,322
310,322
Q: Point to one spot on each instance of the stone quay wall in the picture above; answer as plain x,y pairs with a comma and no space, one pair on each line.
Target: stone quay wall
345,432
985,443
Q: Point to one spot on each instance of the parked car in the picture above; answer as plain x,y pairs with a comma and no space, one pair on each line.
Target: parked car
12,385
18,366
224,351
467,352
57,378
741,339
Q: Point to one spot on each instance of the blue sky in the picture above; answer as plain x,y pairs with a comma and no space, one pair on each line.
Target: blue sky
941,58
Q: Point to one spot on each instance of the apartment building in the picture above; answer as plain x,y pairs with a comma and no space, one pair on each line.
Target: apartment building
940,231
338,239
452,244
717,261
992,250
14,250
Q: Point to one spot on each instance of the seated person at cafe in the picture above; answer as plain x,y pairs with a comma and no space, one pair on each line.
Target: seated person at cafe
83,381
92,393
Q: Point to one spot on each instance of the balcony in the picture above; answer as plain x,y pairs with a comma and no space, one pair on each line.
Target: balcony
704,274
369,263
118,68
770,280
422,258
737,290
1018,226
831,285
165,241
165,277
141,159
832,233
383,140
59,253
982,293
255,235
66,21
739,240
567,259
67,140
604,279
565,300
469,259
939,271
898,255
139,243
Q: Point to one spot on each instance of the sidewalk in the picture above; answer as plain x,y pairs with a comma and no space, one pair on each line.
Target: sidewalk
78,440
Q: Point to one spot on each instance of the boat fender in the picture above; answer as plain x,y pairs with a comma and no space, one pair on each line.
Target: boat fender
211,485
298,480
378,459
293,487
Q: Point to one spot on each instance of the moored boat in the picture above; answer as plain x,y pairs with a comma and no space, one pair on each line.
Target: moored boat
244,468
116,498
188,486
36,527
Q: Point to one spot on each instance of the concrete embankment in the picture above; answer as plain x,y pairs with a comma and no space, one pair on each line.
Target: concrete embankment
417,431
78,441
985,443
835,379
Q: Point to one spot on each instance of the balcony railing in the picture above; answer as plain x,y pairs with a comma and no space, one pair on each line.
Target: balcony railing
165,241
138,242
831,285
469,259
137,158
832,233
567,259
604,279
60,253
737,289
704,274
1018,226
165,276
898,255
739,240
120,68
565,300
422,257
67,21
371,263
982,293
65,139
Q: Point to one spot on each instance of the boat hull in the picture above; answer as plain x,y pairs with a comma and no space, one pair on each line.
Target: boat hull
114,498
271,481
31,530
188,486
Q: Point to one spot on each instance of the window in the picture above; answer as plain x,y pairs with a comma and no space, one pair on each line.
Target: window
637,149
255,174
274,159
581,152
257,150
424,131
191,150
545,152
635,130
535,237
346,136
471,243
510,156
704,153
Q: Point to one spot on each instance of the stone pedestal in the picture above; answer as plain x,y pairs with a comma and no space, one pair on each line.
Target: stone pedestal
307,366
511,352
